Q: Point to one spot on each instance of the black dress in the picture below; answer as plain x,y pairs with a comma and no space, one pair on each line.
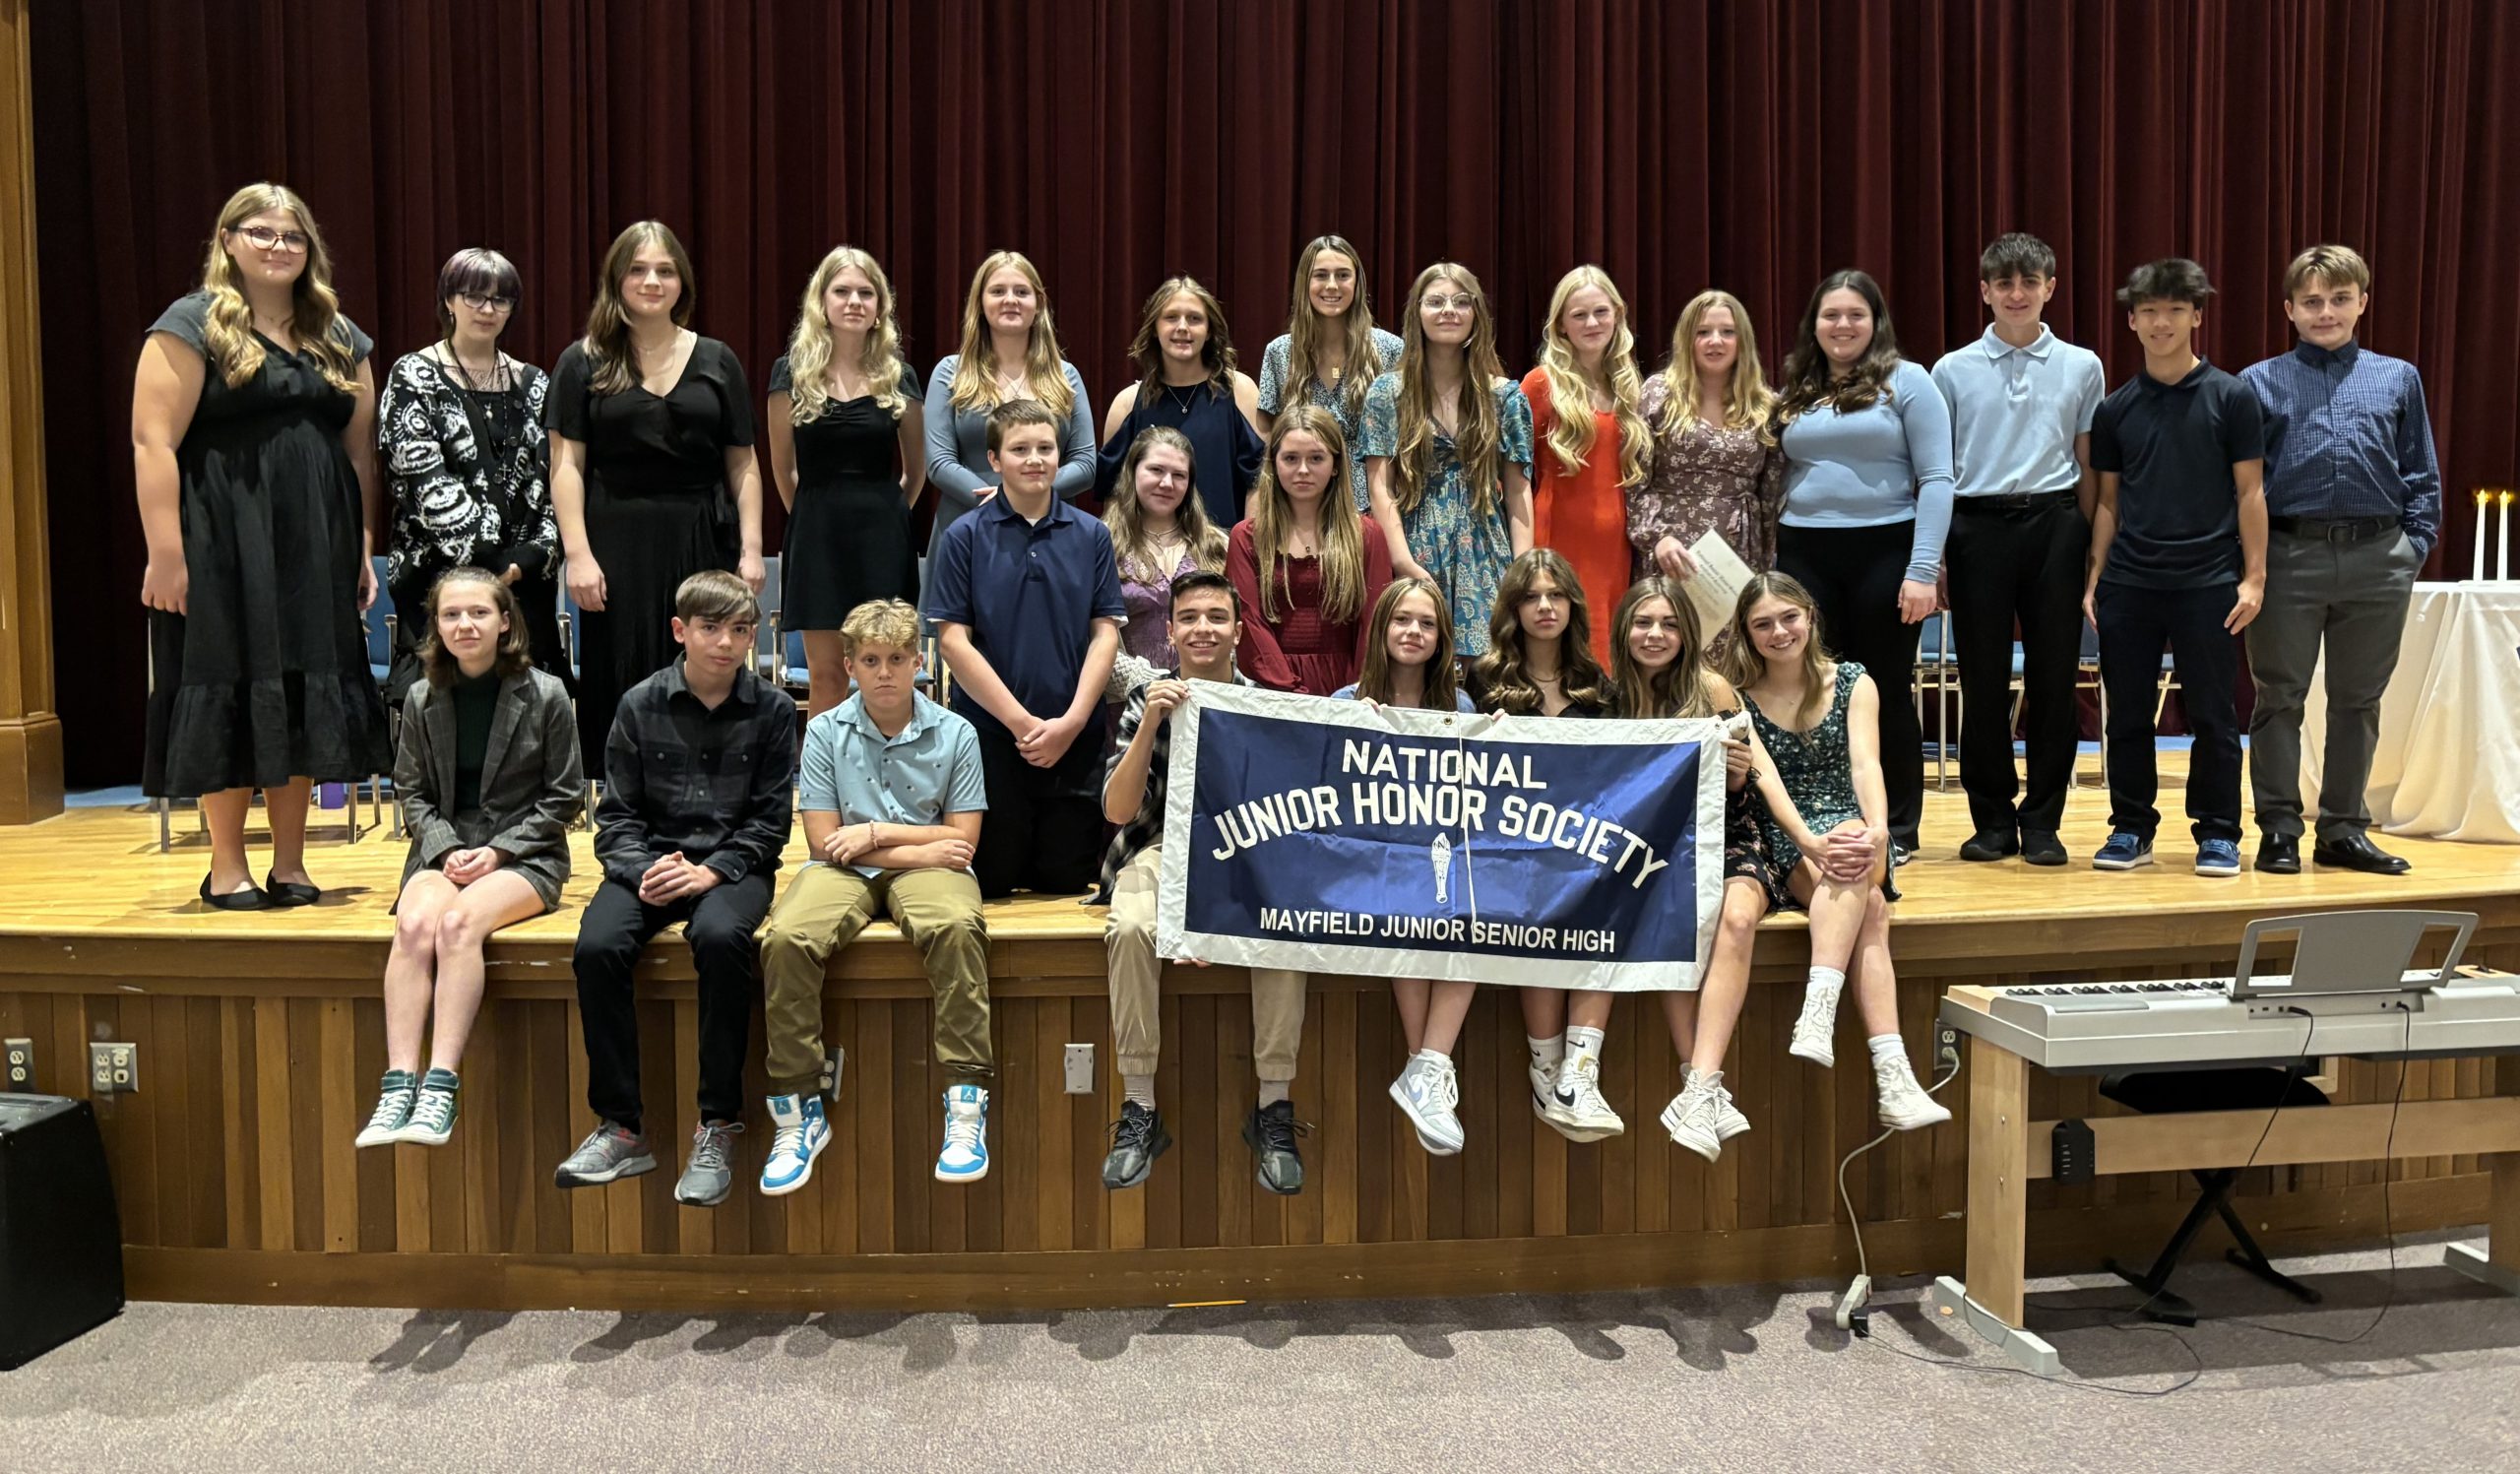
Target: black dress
849,533
656,512
264,677
1225,448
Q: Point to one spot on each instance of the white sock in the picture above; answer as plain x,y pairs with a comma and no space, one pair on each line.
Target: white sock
1889,1047
1138,1088
1826,980
1585,1043
1274,1091
1431,1060
1546,1054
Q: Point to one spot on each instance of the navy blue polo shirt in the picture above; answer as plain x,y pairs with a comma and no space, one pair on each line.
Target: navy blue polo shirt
2174,447
1030,592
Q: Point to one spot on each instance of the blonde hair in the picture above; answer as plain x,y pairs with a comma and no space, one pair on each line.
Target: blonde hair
1746,668
1661,693
1443,672
1216,356
975,375
2335,265
1126,518
880,621
611,365
1306,329
1342,529
809,346
1570,391
1475,443
1504,672
227,333
1748,403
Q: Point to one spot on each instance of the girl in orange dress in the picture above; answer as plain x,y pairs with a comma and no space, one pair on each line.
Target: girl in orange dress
1590,435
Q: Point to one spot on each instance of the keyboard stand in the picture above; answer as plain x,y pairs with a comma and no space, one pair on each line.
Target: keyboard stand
2215,1201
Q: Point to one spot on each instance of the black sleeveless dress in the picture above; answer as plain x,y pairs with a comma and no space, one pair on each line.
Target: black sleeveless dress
656,512
848,534
264,677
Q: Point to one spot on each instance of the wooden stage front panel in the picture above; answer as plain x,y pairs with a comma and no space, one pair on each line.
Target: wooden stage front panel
261,1038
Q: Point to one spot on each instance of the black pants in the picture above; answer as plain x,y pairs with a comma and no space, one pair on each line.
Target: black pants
720,927
1854,573
1044,829
2025,564
2134,625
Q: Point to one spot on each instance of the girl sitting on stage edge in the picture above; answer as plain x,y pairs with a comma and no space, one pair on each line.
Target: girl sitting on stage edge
1409,662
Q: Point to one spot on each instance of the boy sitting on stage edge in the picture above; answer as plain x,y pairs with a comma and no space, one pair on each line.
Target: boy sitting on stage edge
891,795
1205,618
1025,595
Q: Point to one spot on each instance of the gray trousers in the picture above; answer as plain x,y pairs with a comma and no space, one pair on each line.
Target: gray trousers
2352,596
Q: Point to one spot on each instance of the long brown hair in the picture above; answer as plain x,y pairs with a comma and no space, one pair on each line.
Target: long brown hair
1477,441
1216,356
227,333
975,374
1572,427
1306,329
1748,403
516,648
1443,671
1808,381
1126,518
1504,672
1341,526
809,348
1679,689
1746,666
611,364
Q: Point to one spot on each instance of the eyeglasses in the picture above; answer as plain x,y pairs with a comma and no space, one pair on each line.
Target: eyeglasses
262,239
1455,303
480,303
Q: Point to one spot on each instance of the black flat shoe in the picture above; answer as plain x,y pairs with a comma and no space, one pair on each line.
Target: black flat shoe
2279,854
2358,853
2042,847
1991,843
248,899
287,893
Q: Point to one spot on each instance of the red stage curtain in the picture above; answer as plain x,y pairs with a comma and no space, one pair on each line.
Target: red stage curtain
1752,146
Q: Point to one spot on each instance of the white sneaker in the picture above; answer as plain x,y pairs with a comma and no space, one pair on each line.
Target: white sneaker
801,1132
1427,1092
1694,1115
1577,1107
1815,1030
965,1157
1905,1105
1544,1088
1729,1122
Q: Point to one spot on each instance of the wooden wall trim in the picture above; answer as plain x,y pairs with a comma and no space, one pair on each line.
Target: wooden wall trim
31,775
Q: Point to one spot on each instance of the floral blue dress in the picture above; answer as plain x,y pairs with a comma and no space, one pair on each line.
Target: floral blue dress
1464,553
1276,396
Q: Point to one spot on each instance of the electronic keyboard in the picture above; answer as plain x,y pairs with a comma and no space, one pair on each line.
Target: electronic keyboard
2195,1022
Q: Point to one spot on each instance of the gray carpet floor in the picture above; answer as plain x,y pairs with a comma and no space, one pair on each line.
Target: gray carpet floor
1746,1379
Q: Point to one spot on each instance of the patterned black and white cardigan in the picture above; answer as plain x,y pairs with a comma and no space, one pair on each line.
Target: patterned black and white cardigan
457,498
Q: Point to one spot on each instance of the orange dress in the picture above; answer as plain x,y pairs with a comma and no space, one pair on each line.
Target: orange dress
1583,516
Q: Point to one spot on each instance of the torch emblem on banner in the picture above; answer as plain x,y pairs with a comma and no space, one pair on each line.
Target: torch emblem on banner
1442,853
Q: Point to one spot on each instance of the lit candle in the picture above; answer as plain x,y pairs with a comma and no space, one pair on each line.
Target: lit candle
2483,497
2502,539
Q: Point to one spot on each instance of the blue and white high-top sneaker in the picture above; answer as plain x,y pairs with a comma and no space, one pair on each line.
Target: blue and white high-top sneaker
800,1134
964,1158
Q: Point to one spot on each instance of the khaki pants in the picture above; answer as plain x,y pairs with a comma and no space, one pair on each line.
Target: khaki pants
1137,1030
823,911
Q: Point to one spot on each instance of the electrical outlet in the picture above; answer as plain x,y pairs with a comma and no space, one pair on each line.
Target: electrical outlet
20,1055
834,1060
113,1068
1079,1069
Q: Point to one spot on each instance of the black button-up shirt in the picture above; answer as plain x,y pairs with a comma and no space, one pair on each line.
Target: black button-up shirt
710,782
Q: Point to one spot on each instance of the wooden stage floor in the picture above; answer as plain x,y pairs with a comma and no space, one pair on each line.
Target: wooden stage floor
261,1038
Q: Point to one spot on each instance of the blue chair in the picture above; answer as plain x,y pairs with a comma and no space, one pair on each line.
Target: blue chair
381,628
1938,670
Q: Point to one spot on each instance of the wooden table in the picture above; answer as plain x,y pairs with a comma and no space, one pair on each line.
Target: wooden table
2008,1150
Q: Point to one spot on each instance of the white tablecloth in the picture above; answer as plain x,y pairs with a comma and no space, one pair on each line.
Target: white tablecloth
2448,763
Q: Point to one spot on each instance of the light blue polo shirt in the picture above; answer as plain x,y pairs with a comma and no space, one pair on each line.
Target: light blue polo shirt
2015,413
930,770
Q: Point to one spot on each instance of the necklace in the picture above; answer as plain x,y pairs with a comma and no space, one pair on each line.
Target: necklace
1180,398
498,370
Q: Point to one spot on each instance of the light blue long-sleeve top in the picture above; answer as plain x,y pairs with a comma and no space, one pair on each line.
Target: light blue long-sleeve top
958,448
1880,465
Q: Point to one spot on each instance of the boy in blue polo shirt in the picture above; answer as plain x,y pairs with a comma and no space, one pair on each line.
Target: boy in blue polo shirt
2178,557
891,796
1025,597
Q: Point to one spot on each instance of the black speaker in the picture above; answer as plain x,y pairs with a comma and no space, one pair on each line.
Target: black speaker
60,1234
